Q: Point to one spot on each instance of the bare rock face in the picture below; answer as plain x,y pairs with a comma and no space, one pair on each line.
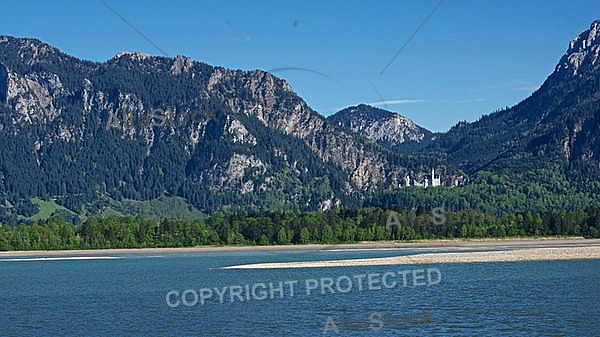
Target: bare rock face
33,95
583,55
271,101
239,133
134,56
181,65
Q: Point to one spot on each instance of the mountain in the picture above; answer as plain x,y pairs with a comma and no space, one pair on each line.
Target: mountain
386,128
557,126
141,132
539,155
142,127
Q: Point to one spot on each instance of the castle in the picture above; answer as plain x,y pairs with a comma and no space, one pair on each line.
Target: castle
429,180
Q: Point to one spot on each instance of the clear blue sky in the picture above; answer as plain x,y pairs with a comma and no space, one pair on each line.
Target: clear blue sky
469,59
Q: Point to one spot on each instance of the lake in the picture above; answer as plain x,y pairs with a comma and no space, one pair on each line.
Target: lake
186,294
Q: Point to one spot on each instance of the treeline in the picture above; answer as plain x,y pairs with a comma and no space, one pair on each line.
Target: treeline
327,227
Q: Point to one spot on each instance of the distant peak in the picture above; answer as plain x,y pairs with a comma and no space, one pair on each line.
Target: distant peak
379,125
368,110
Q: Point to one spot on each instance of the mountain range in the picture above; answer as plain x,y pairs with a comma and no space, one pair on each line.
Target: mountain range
97,137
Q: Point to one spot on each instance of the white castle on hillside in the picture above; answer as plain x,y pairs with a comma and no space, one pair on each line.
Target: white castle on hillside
429,180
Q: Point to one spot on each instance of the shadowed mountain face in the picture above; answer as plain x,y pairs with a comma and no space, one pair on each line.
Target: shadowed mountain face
141,127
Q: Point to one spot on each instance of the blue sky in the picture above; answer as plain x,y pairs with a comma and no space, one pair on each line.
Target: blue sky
468,59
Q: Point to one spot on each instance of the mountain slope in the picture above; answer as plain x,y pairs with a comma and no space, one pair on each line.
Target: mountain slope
557,124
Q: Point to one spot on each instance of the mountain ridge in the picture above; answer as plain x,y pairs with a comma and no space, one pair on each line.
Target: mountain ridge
88,135
264,147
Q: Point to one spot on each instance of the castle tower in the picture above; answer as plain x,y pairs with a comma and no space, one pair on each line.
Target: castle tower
435,180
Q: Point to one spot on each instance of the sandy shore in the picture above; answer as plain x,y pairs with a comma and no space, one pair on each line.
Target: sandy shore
517,255
484,244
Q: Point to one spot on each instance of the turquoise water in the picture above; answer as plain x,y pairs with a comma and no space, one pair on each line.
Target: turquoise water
127,296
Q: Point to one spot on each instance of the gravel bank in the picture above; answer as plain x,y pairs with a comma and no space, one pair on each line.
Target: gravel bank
516,255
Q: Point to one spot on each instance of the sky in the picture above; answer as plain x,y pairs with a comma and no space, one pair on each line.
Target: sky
434,62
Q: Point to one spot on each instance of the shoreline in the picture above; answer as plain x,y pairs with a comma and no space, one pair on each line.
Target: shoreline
475,243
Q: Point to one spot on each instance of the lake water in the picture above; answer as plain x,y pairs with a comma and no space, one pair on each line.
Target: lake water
126,295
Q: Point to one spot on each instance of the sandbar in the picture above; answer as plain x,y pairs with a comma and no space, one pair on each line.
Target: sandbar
511,255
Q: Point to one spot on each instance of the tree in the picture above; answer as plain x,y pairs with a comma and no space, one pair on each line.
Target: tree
282,236
304,236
